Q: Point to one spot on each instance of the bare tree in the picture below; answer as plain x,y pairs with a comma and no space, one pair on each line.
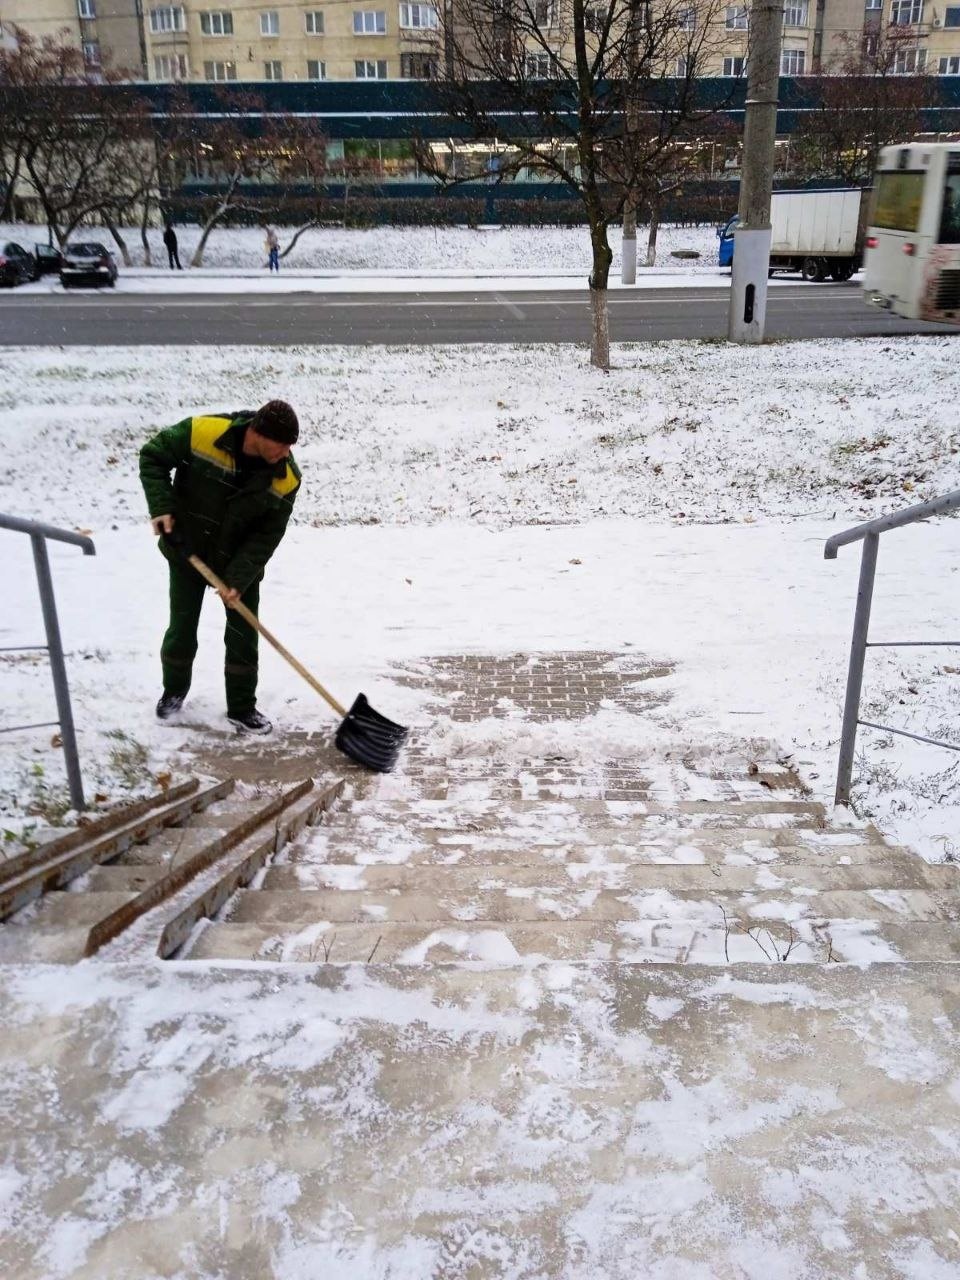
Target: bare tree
68,127
592,95
865,100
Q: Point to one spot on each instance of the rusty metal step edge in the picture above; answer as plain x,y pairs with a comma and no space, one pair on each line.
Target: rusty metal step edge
157,892
64,867
208,903
104,826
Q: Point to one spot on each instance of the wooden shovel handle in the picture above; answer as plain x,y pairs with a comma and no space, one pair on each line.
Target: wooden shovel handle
254,621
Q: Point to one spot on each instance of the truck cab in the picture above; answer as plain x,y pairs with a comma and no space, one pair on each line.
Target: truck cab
725,235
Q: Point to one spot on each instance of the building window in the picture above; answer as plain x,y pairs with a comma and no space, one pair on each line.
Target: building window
168,18
217,22
734,66
949,66
270,23
369,22
951,18
219,71
273,71
91,53
793,62
906,13
682,68
874,4
687,20
544,14
738,17
366,69
86,9
316,70
594,18
418,17
870,45
539,66
170,66
419,66
314,23
909,62
795,15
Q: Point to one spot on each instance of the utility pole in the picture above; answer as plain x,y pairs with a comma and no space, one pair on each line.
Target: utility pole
751,254
628,243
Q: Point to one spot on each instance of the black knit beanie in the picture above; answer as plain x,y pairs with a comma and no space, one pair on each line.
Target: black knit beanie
277,421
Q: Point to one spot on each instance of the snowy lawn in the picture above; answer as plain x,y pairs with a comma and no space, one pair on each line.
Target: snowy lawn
406,250
519,501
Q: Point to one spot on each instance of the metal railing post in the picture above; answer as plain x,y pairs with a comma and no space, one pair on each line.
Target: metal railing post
858,652
58,670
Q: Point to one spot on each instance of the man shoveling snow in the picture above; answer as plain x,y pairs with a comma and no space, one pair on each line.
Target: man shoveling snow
233,486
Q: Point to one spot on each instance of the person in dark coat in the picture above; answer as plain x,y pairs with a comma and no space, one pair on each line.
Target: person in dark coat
232,490
170,240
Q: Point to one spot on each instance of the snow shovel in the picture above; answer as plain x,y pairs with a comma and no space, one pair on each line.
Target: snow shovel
364,734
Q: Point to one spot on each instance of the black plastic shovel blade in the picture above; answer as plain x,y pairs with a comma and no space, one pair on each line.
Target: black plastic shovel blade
370,738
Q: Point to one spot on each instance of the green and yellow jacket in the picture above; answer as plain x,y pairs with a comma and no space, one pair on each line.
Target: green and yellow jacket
231,512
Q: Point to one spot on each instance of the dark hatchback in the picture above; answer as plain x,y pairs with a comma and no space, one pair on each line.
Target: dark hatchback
49,259
87,263
16,265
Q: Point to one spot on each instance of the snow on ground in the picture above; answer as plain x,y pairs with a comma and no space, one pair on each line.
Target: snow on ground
498,499
405,250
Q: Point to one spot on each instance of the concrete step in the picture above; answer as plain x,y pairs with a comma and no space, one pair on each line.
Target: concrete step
703,852
172,845
635,942
66,908
299,907
42,944
114,878
906,873
456,810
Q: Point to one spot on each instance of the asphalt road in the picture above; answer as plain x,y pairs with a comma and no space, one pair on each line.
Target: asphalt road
109,319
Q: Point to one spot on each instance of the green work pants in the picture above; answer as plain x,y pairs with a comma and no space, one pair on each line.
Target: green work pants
179,646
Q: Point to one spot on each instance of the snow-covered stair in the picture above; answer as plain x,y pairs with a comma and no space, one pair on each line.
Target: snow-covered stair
470,868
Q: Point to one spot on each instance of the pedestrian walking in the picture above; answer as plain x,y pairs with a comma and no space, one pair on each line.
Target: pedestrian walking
170,240
273,249
233,486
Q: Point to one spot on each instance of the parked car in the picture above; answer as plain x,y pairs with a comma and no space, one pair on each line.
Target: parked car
48,260
16,265
88,263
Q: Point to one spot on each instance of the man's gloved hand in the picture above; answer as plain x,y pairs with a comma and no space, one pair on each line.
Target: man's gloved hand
162,524
229,596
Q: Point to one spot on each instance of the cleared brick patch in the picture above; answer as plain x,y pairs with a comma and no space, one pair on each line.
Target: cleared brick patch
540,687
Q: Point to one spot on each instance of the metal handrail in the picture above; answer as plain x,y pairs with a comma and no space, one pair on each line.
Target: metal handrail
869,534
39,535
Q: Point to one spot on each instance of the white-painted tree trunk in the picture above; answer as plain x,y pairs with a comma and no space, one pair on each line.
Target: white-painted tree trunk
600,346
628,245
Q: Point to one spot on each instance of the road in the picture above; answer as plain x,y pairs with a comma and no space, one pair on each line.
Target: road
110,319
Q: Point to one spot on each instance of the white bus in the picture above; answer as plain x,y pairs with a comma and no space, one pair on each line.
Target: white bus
912,249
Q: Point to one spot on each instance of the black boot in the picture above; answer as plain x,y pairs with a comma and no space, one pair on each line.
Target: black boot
250,722
169,705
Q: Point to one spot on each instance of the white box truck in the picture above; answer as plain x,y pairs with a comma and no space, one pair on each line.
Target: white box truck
818,233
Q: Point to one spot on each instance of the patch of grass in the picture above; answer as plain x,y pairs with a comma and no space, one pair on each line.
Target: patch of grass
128,759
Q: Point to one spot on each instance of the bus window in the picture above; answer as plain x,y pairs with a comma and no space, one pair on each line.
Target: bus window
897,201
950,213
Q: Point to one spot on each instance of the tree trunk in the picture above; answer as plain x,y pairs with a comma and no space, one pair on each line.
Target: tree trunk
628,249
600,343
599,279
652,236
308,226
197,259
144,240
119,240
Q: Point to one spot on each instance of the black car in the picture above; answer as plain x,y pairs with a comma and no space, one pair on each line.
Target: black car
48,259
87,263
16,265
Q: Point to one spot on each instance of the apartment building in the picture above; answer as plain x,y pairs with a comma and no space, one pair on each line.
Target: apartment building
280,40
268,40
110,32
